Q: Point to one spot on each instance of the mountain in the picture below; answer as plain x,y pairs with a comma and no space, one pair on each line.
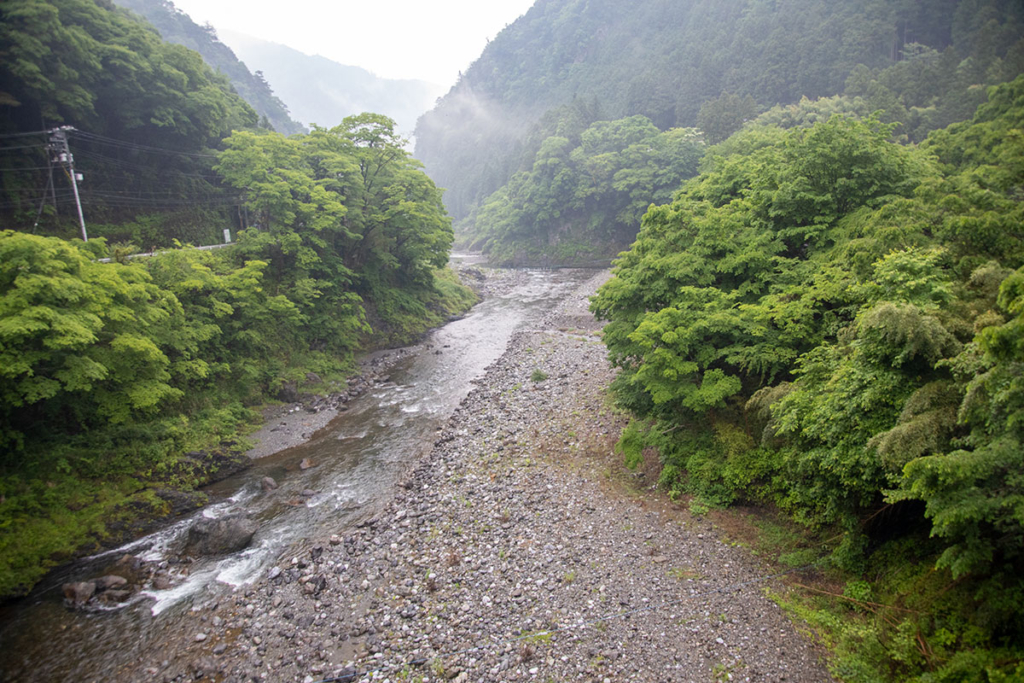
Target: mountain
177,27
666,59
324,92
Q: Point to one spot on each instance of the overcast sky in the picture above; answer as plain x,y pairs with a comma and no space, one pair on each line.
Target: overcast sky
432,40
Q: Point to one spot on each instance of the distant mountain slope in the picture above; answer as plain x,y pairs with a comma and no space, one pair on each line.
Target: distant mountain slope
324,92
665,58
177,27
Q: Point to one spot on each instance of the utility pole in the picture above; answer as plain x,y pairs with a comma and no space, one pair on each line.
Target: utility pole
49,189
59,146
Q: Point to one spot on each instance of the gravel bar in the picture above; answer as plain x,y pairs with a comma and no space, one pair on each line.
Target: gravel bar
509,554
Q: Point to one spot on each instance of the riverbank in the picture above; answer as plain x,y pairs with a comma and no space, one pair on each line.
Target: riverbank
507,554
289,424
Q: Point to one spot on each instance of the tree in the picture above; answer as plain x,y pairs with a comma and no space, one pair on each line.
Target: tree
80,341
721,117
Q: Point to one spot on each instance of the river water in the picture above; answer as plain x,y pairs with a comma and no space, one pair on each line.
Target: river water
357,460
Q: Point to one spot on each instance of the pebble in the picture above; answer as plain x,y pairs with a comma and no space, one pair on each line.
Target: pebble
510,544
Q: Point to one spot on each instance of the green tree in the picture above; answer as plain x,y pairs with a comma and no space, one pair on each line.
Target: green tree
721,117
80,341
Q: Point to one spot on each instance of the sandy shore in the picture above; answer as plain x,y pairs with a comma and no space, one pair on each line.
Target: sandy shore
509,553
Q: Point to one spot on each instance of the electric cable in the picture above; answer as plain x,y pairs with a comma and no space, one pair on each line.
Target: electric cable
114,142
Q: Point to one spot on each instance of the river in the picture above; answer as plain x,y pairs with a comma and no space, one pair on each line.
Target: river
358,459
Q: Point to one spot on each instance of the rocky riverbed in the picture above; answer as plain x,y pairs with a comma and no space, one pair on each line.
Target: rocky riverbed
507,554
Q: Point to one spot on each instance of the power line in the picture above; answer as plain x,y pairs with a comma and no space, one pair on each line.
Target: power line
29,168
61,154
41,145
113,142
128,164
22,135
125,193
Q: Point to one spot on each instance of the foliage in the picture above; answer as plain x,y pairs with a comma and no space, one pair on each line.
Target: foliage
109,371
721,117
146,113
591,190
923,63
176,27
71,327
831,322
342,215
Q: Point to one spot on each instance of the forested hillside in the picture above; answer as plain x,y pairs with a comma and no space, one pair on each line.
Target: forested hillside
149,115
830,322
323,92
712,65
583,197
177,27
113,370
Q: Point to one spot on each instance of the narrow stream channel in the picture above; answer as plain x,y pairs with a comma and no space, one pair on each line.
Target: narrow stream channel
358,459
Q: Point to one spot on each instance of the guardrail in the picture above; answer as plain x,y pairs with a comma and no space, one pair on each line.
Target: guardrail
147,254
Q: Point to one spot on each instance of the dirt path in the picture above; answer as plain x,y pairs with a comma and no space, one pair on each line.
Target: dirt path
509,555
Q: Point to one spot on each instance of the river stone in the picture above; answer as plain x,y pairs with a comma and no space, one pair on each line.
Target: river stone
268,483
289,392
115,596
110,581
222,535
79,592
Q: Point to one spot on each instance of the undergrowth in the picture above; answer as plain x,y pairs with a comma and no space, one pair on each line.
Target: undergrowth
64,496
875,597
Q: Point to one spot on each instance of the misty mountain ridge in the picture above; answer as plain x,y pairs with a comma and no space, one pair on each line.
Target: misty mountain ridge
664,59
321,91
175,26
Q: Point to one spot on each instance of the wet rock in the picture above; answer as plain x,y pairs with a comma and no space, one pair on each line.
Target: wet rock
268,483
79,592
181,502
220,536
110,581
306,464
115,596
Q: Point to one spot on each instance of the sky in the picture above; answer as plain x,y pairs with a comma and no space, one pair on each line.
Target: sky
431,40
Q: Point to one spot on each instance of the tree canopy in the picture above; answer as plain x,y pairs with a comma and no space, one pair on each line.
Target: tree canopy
713,65
831,321
583,197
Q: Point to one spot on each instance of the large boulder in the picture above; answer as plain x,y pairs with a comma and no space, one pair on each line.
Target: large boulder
220,536
289,392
